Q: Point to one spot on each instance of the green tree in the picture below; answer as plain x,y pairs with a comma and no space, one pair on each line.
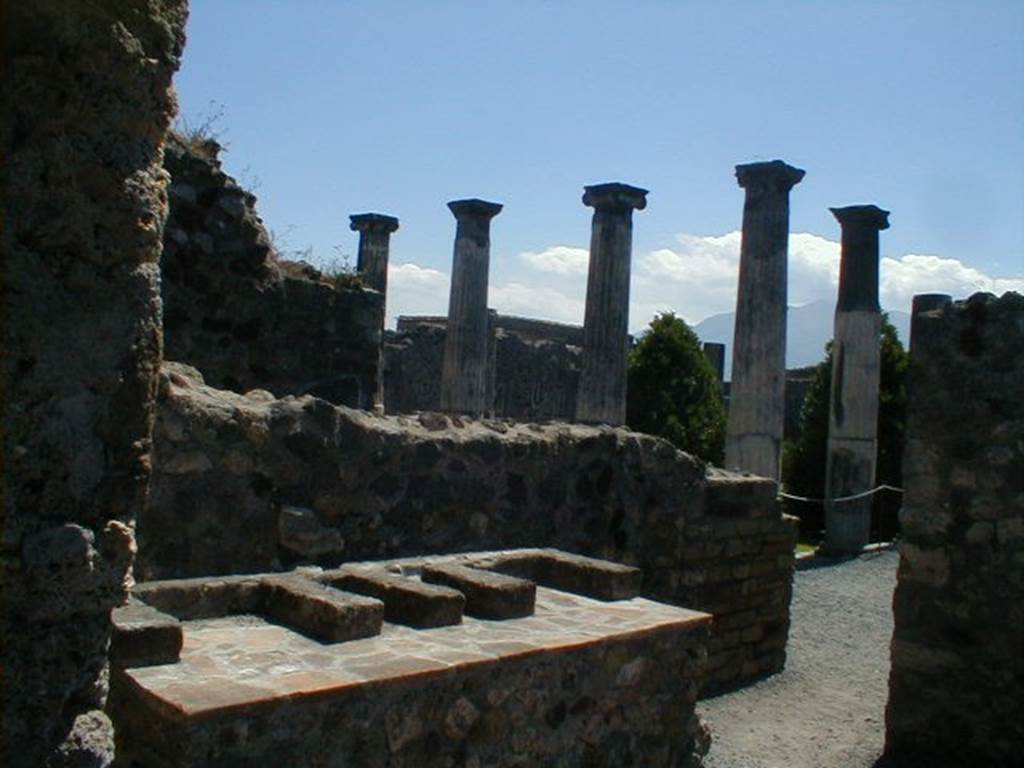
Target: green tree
804,459
673,391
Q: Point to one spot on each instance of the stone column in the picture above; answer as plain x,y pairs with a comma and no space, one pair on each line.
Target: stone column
601,398
715,353
853,407
464,372
757,406
372,264
374,243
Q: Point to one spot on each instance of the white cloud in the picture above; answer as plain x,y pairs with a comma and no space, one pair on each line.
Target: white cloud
695,278
415,290
901,278
560,259
542,303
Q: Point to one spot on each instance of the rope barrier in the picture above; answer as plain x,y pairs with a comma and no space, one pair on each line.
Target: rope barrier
841,499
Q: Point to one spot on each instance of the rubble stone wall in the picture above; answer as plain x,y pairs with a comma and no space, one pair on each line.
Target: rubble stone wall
956,688
536,367
249,484
85,102
244,317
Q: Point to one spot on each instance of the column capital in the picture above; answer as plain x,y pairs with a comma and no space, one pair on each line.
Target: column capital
372,222
474,208
774,173
614,196
865,215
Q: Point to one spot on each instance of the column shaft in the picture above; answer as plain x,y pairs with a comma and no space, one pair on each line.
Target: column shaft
464,373
372,264
757,405
602,389
853,404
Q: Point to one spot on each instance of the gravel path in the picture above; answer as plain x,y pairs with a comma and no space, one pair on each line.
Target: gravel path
827,708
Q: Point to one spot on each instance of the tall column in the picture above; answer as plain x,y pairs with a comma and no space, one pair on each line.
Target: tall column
464,375
602,389
372,264
853,405
757,404
374,244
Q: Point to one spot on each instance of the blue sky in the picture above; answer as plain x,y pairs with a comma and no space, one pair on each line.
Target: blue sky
332,108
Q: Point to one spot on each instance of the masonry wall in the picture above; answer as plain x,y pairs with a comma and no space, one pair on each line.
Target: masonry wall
536,367
247,484
85,102
956,689
244,317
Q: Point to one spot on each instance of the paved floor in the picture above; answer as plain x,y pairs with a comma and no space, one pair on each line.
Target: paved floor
827,708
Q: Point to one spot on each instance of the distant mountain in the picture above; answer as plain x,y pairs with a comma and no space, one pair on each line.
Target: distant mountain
808,329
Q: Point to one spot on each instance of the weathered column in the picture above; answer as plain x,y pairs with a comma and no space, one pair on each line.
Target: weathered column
372,264
757,405
853,406
374,244
715,353
464,374
602,390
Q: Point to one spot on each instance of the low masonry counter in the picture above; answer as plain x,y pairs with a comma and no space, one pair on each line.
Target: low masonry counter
581,680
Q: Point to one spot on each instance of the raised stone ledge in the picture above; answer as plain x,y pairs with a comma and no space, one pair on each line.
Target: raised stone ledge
577,680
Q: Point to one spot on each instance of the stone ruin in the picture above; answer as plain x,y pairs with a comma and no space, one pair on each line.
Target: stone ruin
956,687
249,483
243,316
528,657
274,480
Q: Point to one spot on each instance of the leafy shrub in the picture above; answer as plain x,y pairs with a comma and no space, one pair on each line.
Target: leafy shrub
673,391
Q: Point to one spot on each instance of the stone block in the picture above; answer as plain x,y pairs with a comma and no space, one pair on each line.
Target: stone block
321,612
733,494
488,595
143,636
203,598
600,579
406,600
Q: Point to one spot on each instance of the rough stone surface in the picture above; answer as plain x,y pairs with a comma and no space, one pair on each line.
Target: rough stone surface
246,318
391,486
578,683
957,656
536,367
85,102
